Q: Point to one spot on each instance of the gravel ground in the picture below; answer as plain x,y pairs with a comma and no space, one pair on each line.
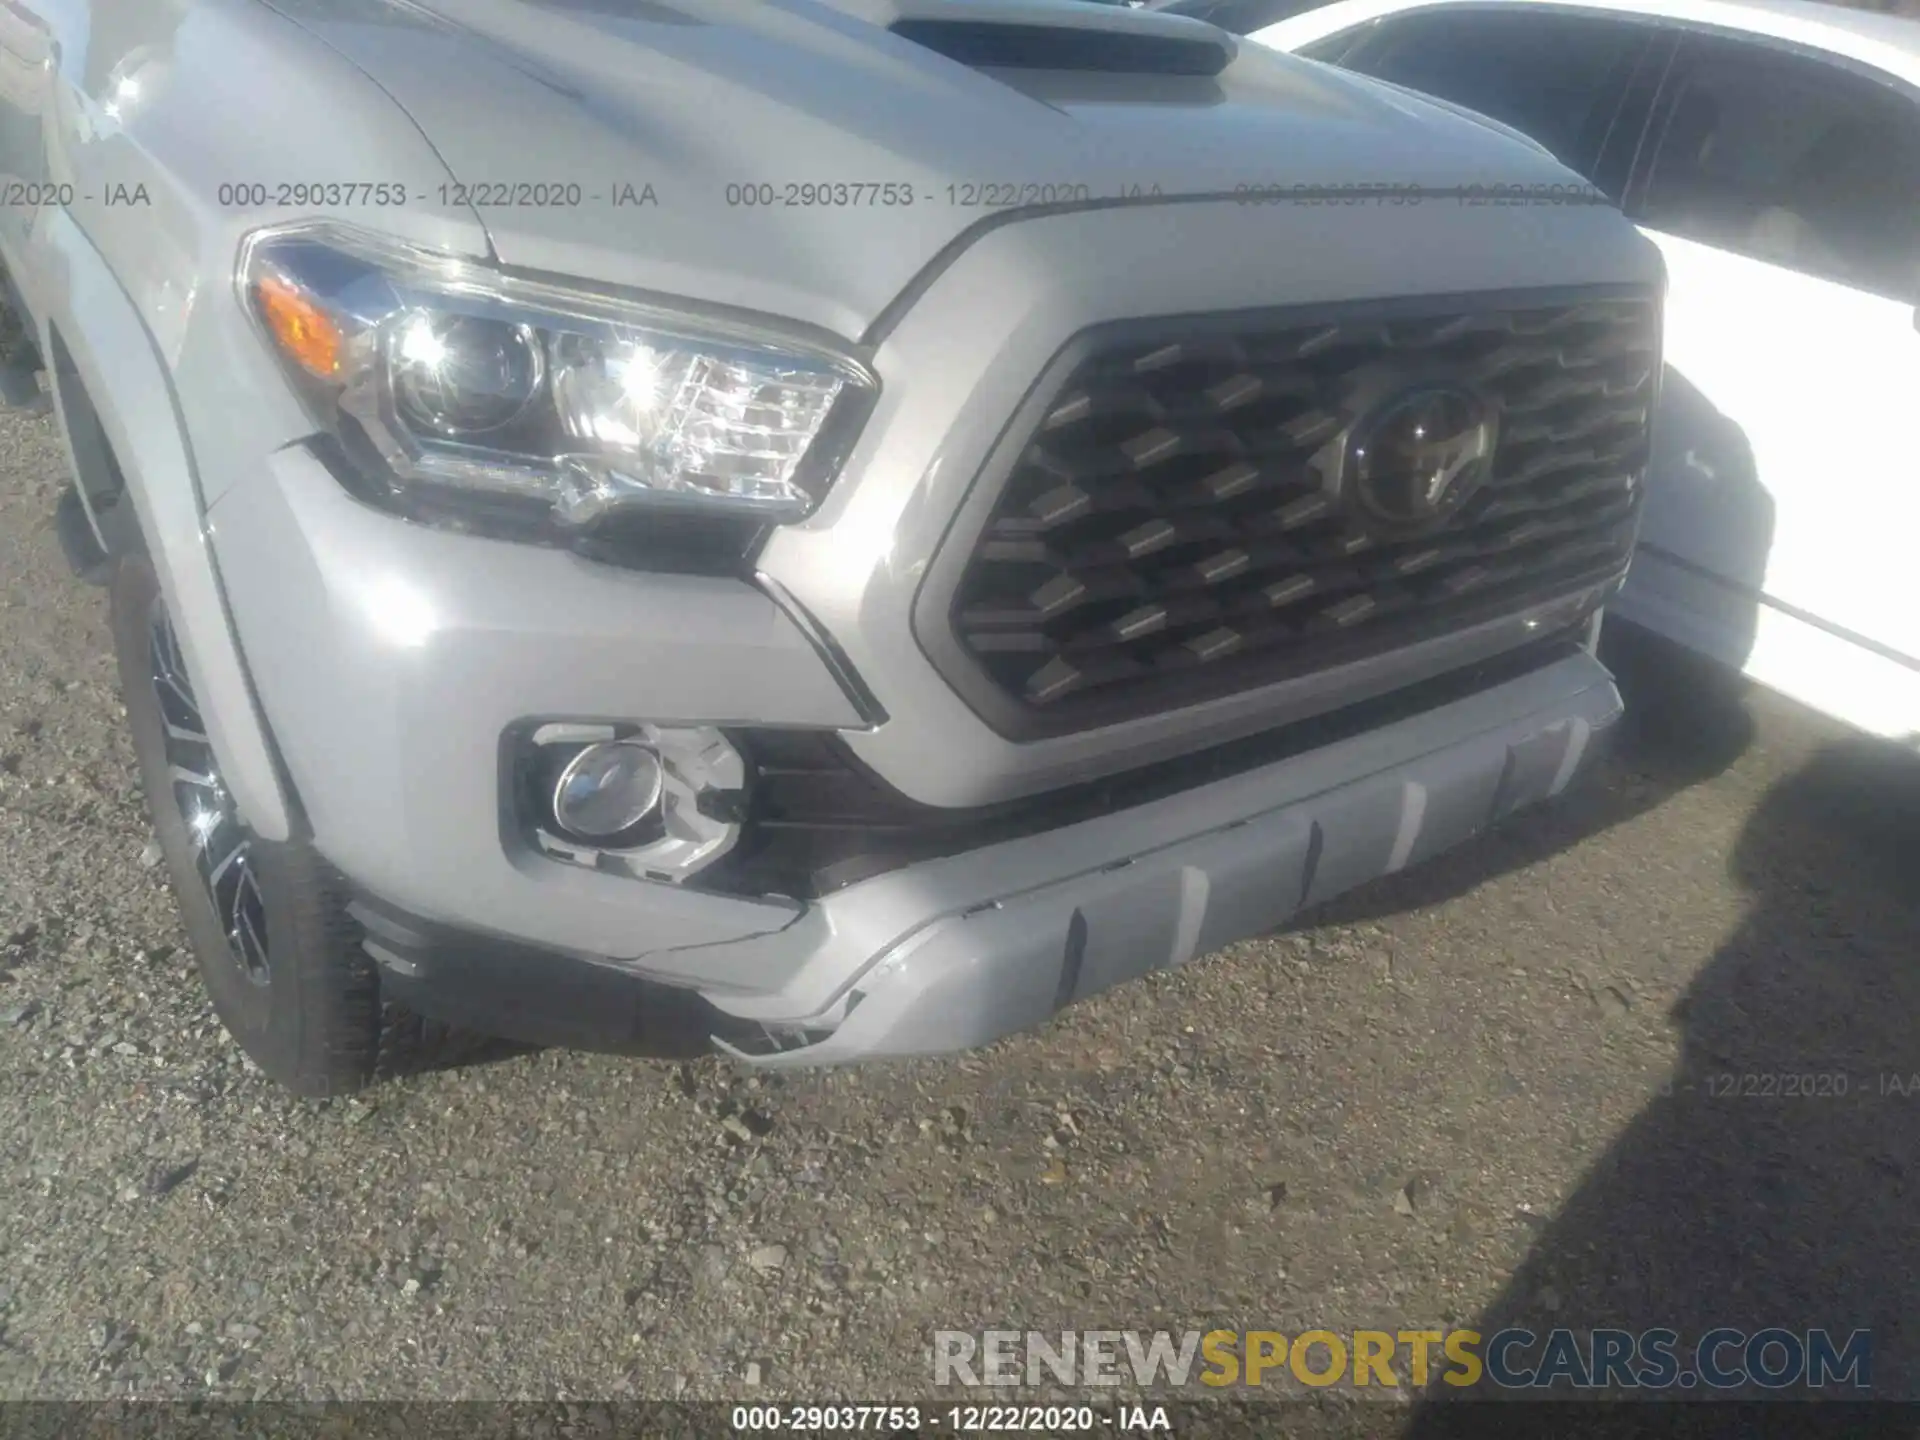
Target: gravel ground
1481,1092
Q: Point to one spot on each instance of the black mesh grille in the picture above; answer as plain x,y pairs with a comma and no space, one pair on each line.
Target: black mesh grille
1175,529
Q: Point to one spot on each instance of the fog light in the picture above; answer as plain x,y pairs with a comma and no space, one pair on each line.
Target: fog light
607,789
653,802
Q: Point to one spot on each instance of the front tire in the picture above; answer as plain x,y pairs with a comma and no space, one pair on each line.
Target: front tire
276,948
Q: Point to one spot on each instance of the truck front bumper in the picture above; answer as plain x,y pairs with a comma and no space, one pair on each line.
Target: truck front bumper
958,952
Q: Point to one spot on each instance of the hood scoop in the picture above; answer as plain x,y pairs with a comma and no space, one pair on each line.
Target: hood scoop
1053,35
987,46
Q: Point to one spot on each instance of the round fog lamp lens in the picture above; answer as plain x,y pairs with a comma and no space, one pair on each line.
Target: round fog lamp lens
607,789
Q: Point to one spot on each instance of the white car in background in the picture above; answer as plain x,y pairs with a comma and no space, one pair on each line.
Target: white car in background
1772,149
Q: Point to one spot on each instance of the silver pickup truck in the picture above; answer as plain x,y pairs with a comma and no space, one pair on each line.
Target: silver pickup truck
872,520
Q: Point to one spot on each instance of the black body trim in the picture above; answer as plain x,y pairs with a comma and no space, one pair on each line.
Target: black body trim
531,994
836,660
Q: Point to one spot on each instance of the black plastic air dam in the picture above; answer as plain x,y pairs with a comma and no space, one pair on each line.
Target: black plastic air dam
531,995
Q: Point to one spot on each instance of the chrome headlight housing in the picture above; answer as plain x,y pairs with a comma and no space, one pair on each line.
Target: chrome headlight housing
451,383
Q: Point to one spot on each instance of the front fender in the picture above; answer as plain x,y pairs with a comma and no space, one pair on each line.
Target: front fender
115,359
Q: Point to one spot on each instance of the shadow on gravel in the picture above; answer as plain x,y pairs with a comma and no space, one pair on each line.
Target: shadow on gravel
440,1047
663,1024
670,1024
476,1001
1685,723
1772,1183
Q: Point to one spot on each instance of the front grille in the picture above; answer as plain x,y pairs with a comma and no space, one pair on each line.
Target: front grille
1175,527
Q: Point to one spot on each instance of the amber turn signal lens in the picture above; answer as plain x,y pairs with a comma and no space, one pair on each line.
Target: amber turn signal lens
304,330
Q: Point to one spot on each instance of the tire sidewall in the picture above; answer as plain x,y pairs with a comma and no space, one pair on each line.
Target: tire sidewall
244,1007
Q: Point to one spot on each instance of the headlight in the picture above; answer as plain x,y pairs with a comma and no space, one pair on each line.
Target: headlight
444,378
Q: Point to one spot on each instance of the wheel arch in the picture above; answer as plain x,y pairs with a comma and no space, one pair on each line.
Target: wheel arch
127,445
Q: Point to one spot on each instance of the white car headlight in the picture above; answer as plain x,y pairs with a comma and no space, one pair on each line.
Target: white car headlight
445,378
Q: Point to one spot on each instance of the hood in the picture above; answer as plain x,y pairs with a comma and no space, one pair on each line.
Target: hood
1500,127
807,158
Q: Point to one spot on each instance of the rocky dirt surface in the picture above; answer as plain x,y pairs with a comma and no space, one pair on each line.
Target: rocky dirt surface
1487,1090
